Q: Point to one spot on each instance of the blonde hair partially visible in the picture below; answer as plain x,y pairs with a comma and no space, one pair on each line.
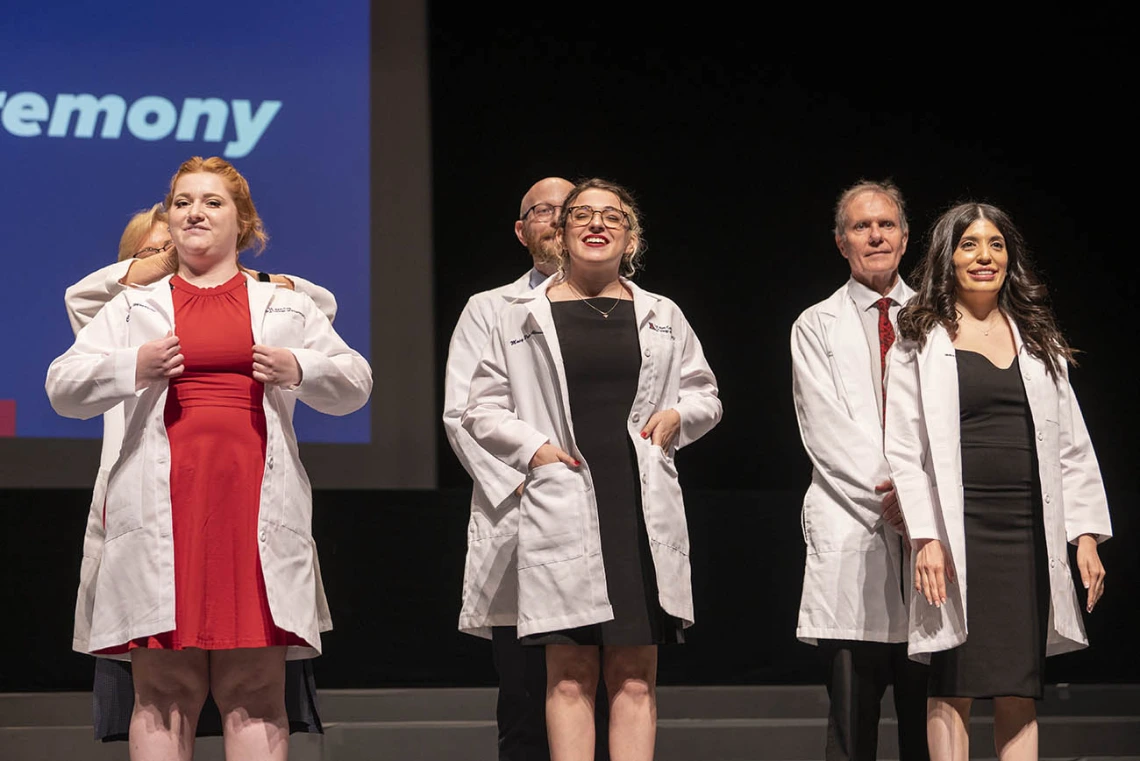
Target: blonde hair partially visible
138,229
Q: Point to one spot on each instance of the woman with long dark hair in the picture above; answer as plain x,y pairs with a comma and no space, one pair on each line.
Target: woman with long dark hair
995,474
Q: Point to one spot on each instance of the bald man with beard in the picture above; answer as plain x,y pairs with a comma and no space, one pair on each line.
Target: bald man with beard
490,583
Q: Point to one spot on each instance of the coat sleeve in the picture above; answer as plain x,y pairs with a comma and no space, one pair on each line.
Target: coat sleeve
85,298
490,416
335,379
322,297
699,403
1086,506
98,371
906,443
492,476
845,457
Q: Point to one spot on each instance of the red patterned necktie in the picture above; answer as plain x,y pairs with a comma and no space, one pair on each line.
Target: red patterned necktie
886,338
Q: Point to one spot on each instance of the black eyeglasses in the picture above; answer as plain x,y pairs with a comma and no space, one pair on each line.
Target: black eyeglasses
541,212
615,219
151,251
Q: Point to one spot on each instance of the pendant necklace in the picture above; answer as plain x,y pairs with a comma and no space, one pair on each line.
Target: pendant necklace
584,300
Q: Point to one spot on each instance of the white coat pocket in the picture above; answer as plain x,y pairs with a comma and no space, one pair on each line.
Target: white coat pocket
551,516
828,528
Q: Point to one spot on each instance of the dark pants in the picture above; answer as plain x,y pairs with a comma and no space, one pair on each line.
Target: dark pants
521,711
857,676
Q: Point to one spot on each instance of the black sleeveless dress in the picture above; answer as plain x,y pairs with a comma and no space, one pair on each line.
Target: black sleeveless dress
1007,593
602,357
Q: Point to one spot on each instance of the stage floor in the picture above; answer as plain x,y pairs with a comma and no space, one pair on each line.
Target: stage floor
1087,722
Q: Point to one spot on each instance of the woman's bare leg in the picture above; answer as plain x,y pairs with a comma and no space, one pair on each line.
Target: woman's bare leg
948,728
170,687
1015,729
631,680
571,684
249,687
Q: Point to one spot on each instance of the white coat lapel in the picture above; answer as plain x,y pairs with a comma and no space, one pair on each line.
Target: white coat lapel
644,304
1035,378
853,362
517,288
260,294
940,409
539,307
160,299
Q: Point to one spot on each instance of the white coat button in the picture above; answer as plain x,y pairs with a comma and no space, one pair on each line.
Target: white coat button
262,536
643,478
269,463
635,417
1048,499
1027,378
1052,562
647,352
1041,435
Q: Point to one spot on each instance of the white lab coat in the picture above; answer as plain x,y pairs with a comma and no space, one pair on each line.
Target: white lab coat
853,587
519,401
133,576
923,446
490,579
83,300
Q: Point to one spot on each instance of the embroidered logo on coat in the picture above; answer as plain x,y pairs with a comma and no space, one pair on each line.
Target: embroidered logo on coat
283,310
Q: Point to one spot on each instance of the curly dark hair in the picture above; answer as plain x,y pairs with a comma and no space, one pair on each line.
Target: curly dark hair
1023,297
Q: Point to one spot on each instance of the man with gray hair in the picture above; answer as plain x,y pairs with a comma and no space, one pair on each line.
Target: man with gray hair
856,576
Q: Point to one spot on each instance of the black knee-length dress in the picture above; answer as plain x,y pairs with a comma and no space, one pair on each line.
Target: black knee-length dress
1007,596
602,357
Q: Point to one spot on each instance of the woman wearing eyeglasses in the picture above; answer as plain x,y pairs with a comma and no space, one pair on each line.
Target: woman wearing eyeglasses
587,387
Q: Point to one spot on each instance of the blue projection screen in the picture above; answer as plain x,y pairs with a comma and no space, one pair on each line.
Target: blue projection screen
97,110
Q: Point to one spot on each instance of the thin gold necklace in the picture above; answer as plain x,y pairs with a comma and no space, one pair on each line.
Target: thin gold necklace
584,300
992,324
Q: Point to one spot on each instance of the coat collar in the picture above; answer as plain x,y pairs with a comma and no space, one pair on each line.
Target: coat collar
512,292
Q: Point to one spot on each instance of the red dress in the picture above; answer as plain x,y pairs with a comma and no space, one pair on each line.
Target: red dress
216,426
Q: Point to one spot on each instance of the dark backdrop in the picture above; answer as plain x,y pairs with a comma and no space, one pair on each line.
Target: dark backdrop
736,138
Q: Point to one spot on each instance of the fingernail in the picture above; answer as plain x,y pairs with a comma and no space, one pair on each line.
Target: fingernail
576,463
644,435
